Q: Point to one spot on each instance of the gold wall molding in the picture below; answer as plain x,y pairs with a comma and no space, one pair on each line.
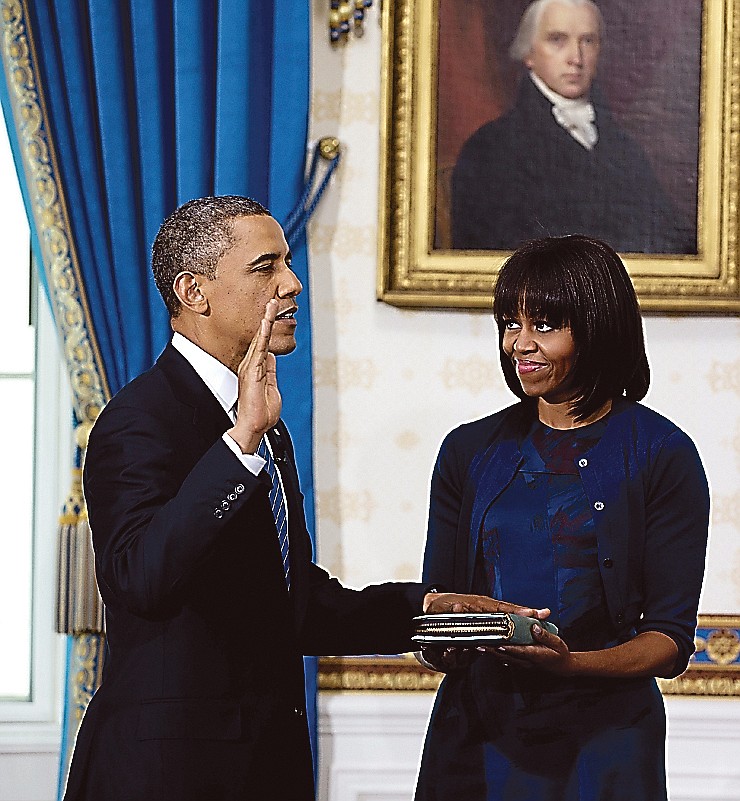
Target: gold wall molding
376,674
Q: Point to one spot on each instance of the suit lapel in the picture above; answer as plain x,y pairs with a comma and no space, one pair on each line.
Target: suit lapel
203,411
198,403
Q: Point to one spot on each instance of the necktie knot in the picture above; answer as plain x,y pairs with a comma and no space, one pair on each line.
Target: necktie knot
578,119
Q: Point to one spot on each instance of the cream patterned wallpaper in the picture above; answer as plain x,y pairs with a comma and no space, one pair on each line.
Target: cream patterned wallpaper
389,383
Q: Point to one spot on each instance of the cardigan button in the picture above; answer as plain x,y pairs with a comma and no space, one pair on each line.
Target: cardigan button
607,562
598,506
583,462
218,513
239,488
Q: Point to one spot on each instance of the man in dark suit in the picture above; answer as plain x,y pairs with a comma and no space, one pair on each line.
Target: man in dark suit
202,555
557,163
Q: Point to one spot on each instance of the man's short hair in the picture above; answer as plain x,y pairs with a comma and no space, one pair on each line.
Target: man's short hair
529,24
581,283
194,238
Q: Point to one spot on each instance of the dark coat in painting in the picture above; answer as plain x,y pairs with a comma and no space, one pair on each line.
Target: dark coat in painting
523,176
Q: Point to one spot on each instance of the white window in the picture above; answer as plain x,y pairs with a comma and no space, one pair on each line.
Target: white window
17,405
34,479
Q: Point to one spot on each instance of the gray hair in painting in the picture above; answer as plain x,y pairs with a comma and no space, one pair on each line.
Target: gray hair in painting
530,22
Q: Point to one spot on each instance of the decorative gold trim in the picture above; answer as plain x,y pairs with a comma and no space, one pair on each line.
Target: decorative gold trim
376,674
413,273
85,672
703,682
710,672
89,386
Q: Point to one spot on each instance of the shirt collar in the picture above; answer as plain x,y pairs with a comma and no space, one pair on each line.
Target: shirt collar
555,98
575,115
216,376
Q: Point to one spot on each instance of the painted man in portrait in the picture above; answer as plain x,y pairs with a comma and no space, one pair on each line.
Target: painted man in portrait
557,162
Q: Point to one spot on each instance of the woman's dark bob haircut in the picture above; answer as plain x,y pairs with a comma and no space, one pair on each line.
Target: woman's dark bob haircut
582,284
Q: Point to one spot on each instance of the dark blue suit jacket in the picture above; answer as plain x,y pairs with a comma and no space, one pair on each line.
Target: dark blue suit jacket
203,692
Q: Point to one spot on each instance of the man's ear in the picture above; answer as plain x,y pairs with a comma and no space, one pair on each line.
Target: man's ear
187,287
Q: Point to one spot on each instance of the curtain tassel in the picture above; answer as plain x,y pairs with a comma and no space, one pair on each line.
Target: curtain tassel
79,606
328,149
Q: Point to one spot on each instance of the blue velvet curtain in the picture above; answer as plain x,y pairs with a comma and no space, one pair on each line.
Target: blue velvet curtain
119,111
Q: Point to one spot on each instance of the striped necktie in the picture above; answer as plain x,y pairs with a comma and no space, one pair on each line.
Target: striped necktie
277,504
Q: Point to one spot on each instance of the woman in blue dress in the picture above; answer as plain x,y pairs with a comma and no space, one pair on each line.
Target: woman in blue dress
585,507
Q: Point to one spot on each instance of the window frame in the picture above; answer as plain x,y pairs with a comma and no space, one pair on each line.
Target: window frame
30,724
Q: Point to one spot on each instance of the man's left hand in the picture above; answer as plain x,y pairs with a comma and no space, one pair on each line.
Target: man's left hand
437,603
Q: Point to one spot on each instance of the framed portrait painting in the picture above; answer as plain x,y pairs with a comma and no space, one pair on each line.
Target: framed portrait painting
504,121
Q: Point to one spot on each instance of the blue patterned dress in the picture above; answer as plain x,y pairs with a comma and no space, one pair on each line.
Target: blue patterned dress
554,738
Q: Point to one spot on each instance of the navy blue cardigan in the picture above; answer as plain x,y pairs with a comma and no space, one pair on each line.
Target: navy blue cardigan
648,491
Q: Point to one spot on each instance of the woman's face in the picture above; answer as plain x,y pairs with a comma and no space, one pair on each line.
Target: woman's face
543,357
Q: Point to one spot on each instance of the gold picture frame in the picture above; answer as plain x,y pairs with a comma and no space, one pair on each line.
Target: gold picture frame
714,670
414,270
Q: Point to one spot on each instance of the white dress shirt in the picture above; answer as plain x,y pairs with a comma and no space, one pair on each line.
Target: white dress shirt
225,387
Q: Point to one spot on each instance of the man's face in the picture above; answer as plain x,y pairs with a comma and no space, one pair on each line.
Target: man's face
565,50
255,269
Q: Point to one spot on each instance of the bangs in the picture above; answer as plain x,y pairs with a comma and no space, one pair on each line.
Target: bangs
537,290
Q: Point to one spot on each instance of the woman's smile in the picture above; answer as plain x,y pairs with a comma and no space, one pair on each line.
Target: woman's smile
526,366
